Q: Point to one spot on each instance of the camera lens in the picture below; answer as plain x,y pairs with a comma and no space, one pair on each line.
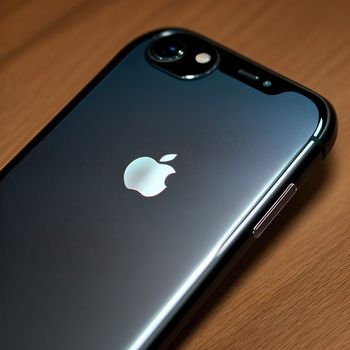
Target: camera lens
167,50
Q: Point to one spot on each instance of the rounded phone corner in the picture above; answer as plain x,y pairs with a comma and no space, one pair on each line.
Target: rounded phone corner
328,130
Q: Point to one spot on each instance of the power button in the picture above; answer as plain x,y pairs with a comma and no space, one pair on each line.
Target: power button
274,210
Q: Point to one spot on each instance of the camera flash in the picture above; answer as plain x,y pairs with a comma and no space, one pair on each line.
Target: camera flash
203,58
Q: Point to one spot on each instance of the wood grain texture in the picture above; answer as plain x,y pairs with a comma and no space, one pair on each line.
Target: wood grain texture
292,290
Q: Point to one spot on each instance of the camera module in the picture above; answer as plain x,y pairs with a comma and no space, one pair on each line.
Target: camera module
183,55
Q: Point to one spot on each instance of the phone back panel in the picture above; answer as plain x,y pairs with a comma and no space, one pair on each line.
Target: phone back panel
86,263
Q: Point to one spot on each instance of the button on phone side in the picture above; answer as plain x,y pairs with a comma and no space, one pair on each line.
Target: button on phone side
280,203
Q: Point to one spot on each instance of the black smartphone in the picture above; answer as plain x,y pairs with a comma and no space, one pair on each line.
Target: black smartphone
175,156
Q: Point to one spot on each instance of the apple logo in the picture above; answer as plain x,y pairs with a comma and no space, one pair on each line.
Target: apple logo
147,176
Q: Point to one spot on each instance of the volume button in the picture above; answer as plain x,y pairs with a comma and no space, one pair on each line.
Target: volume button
283,199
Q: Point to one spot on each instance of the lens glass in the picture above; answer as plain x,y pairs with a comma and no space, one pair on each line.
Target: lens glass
167,50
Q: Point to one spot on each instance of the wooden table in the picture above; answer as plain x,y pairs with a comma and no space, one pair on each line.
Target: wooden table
292,291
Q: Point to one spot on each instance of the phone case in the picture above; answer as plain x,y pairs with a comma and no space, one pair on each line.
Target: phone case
89,262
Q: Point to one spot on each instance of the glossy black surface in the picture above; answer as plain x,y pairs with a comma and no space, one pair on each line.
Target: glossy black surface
86,263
